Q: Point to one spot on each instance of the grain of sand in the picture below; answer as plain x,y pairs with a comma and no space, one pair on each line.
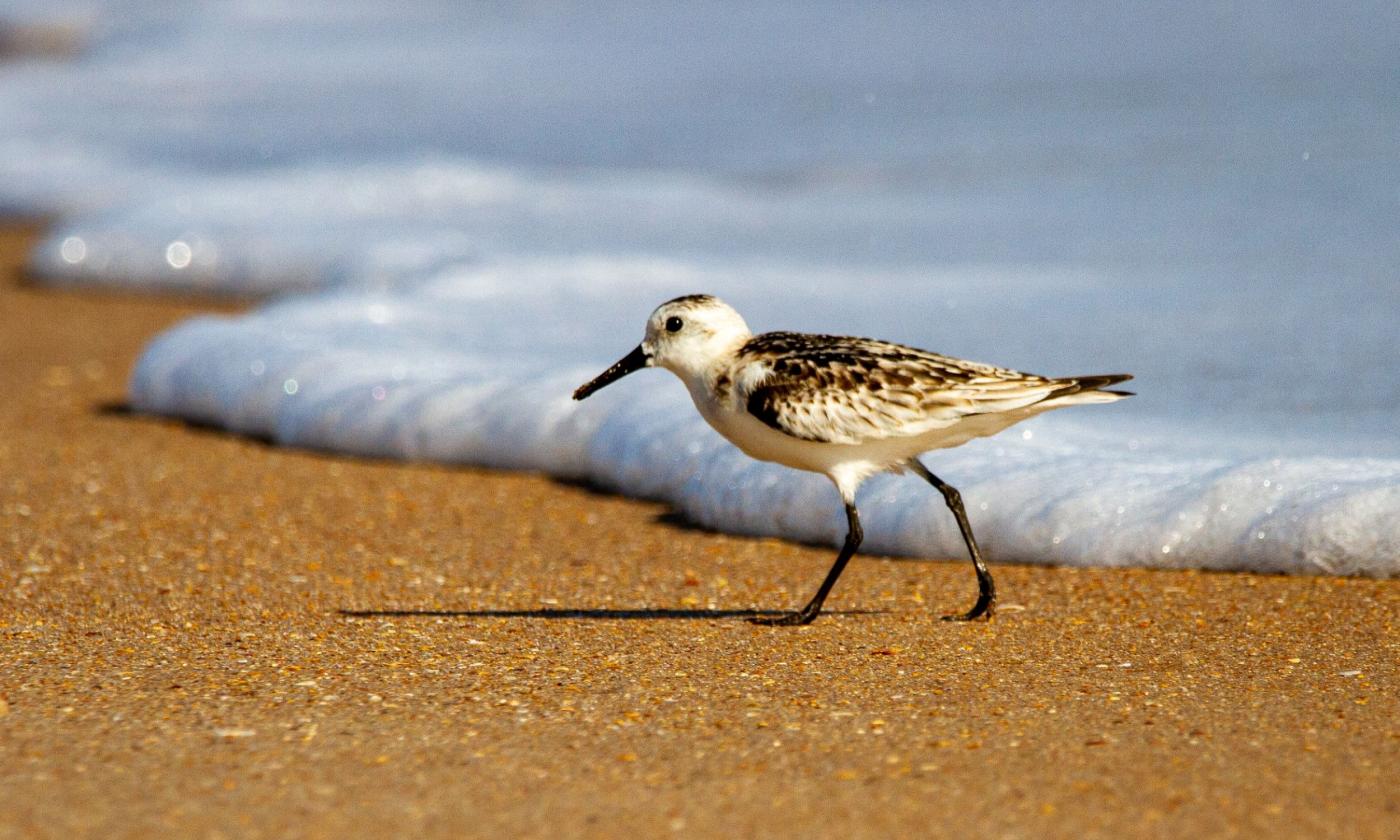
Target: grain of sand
535,659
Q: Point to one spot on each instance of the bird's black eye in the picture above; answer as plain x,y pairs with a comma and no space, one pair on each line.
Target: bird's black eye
674,324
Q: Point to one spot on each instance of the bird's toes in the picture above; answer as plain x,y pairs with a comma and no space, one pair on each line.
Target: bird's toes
795,619
972,615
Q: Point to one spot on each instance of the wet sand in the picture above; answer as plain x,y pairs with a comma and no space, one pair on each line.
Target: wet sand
527,658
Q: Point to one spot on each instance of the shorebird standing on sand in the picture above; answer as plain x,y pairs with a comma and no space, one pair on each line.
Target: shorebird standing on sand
844,407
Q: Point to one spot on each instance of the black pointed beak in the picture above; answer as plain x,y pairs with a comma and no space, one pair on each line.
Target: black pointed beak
636,360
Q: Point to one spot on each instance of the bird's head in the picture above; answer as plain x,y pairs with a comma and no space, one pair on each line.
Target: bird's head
684,336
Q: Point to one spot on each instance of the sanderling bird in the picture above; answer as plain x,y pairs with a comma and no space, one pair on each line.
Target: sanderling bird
844,407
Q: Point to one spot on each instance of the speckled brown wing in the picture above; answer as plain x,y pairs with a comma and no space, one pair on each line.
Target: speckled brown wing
834,389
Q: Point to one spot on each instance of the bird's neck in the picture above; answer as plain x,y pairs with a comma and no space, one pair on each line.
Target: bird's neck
711,374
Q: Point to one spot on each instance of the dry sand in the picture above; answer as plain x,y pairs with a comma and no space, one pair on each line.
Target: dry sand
548,660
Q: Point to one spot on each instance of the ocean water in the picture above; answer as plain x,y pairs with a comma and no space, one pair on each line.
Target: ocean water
458,215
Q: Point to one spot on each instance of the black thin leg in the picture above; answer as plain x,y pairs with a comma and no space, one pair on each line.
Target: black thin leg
986,589
807,614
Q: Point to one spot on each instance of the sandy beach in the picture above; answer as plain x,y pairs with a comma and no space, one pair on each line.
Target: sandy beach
204,635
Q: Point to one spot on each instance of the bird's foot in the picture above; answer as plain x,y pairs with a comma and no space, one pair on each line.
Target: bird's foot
982,610
986,600
792,619
967,616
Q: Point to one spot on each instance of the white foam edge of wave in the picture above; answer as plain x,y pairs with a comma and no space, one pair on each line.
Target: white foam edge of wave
1073,492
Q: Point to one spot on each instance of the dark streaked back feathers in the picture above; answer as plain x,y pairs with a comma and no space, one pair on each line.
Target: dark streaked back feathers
837,389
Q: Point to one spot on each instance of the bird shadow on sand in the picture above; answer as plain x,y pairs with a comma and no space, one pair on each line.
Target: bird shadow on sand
551,613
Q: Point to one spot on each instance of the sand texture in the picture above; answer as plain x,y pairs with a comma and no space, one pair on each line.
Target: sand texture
536,659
